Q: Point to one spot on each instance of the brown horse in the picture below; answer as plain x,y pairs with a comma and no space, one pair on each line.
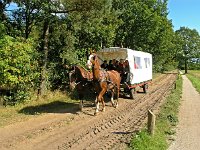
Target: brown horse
80,79
104,81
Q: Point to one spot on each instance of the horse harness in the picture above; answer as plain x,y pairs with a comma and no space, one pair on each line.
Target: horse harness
105,77
87,76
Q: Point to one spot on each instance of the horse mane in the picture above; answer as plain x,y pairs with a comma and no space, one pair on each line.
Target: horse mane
97,60
81,68
83,73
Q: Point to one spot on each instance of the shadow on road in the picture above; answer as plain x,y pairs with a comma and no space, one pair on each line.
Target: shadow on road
53,107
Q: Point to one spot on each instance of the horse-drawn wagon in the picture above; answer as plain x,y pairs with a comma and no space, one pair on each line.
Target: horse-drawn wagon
140,67
136,71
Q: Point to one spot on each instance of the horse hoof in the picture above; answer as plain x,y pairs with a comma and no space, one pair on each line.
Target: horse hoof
104,110
95,113
116,105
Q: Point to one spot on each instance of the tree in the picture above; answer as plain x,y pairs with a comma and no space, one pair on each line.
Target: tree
94,28
3,4
27,15
189,41
145,27
42,14
18,67
33,12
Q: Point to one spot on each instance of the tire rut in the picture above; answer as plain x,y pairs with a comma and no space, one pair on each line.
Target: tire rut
105,130
133,115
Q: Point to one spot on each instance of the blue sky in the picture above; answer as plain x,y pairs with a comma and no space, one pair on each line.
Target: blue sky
184,13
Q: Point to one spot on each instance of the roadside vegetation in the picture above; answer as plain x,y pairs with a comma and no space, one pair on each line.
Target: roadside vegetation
53,103
166,121
194,76
40,40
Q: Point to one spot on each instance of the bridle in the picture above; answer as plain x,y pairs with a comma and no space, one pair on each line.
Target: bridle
84,83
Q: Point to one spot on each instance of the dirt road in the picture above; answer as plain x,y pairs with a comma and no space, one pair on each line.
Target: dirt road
81,130
188,132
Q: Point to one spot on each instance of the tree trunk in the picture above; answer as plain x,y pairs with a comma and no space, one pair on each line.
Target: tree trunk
186,66
43,80
2,14
27,24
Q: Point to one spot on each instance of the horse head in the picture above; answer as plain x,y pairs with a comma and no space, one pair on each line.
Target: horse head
90,61
93,60
75,74
79,75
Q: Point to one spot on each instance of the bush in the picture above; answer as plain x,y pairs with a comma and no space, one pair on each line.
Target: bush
18,68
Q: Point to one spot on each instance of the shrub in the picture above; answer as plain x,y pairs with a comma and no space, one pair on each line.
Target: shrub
18,68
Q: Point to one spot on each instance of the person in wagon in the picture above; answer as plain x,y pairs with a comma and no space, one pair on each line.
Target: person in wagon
126,72
114,64
110,65
104,65
120,67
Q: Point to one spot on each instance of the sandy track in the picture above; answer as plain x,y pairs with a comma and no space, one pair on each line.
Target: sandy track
188,133
81,130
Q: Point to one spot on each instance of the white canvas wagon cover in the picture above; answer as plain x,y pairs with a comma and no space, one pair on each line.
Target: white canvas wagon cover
140,63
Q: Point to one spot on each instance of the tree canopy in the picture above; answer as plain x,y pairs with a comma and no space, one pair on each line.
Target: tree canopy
40,37
189,46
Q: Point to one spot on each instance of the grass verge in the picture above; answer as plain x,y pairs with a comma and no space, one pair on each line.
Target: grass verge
54,102
195,79
166,121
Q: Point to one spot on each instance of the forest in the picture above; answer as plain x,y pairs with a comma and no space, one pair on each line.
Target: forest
40,39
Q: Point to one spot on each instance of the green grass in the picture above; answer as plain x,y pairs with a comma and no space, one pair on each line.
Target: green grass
166,121
55,102
156,75
194,77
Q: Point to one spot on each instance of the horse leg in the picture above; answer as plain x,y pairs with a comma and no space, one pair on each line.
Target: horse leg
103,91
112,98
100,99
97,105
103,104
81,100
117,103
81,105
96,100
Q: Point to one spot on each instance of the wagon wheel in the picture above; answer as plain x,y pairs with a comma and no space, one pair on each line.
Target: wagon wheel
145,87
132,93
